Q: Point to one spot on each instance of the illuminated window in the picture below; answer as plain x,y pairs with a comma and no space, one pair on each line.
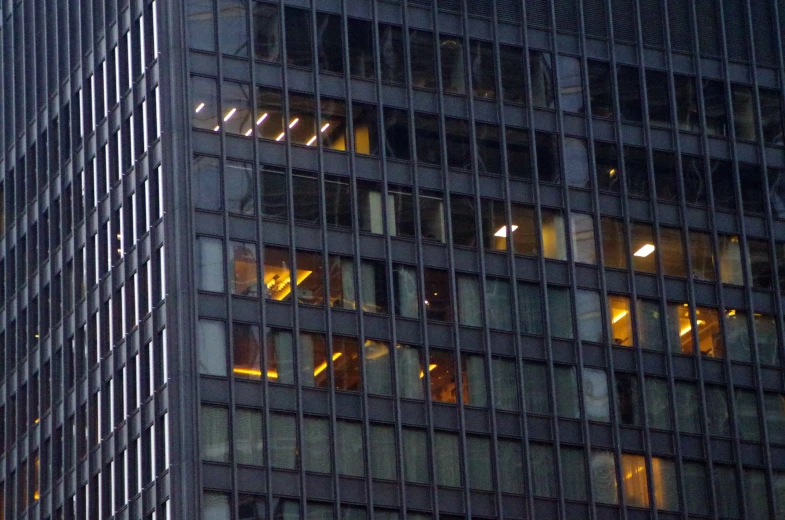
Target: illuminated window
636,489
310,279
346,363
621,320
553,235
245,280
247,350
442,375
475,390
314,366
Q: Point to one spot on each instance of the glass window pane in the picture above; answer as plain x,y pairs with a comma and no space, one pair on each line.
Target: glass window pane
333,125
391,53
211,344
583,242
771,115
658,93
658,403
518,153
453,70
464,228
566,391
415,456
269,114
283,441
589,313
298,37
350,452
346,363
236,116
548,167
694,180
206,183
383,458
366,128
513,77
216,506
240,188
427,138
747,415
524,236
361,61
766,331
576,163
478,454
673,263
600,91
775,417
488,147
570,84
204,92
244,268
756,494
701,256
422,49
716,114
688,408
316,436
696,488
560,312
621,320
483,68
637,171
313,360
447,459
717,410
614,248
396,134
499,303
201,24
469,301
573,465
543,465
709,333
510,460
342,290
267,33
687,103
210,264
329,43
214,434
442,375
410,372
553,235
595,395
737,331
280,357
743,112
377,367
628,399
541,70
248,437
723,187
373,286
247,349
505,384
604,478
730,260
432,217
636,487
643,257
405,286
530,307
665,177
665,483
459,150
535,379
475,390
232,25
629,84
650,334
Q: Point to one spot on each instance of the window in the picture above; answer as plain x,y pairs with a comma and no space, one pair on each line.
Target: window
209,264
204,93
604,477
629,85
686,103
566,391
570,84
215,505
759,271
298,37
524,236
766,332
478,454
432,217
737,331
499,303
283,441
659,104
628,400
530,307
688,407
396,134
248,437
373,286
306,203
717,415
548,167
483,69
244,266
267,33
332,131
315,437
513,76
346,363
474,389
665,178
405,287
730,260
774,405
701,256
636,488
280,356
560,312
410,372
510,461
310,279
232,28
488,146
415,456
541,71
422,49
583,244
377,367
314,366
269,113
643,257
459,155
360,34
771,115
214,433
494,226
658,403
596,401
723,187
518,153
391,53
383,458
211,345
505,384
716,112
341,274
535,385
553,235
442,375
427,138
573,466
240,188
589,316
201,25
673,263
464,228
544,466
470,309
329,46
447,459
350,452
246,343
743,112
236,116
637,171
621,320
614,247
696,488
747,415
576,163
600,91
366,129
453,70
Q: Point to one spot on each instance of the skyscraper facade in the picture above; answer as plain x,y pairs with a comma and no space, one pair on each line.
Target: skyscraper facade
390,259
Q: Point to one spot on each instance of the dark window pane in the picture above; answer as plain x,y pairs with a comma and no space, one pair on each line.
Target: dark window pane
338,202
432,217
341,273
201,24
427,138
333,125
403,213
752,192
298,37
541,69
694,180
600,89
396,134
547,157
658,94
687,103
391,53
247,351
723,186
267,33
458,143
771,113
629,84
366,129
306,203
760,268
346,363
637,171
776,181
524,233
453,69
665,177
570,84
489,158
373,286
274,200
743,112
518,153
513,76
423,54
360,33
232,24
464,228
607,164
716,113
483,64
628,399
329,43
240,188
206,183
576,163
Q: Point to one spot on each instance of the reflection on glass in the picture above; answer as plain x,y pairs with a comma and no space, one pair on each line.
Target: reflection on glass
405,286
232,30
377,367
242,258
483,65
422,49
427,138
737,331
298,37
570,84
240,188
453,71
236,117
342,291
204,93
730,259
267,33
589,315
280,356
576,163
432,217
596,401
488,146
312,354
201,28
628,401
560,311
269,114
649,325
373,286
409,368
474,390
553,235
524,236
743,112
391,53
329,48
771,115
541,70
360,35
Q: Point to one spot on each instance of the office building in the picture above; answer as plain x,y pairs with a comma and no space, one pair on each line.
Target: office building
392,259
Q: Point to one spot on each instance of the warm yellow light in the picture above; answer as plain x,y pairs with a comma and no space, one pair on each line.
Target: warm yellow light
502,231
321,368
199,108
254,372
310,142
325,126
294,122
612,172
261,119
37,421
619,316
248,132
645,250
280,137
732,312
230,114
430,369
685,330
217,127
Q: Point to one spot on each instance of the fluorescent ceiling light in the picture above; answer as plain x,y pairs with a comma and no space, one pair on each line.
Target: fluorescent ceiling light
644,251
230,114
199,108
502,231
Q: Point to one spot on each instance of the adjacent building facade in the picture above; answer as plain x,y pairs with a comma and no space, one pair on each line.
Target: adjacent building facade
375,259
